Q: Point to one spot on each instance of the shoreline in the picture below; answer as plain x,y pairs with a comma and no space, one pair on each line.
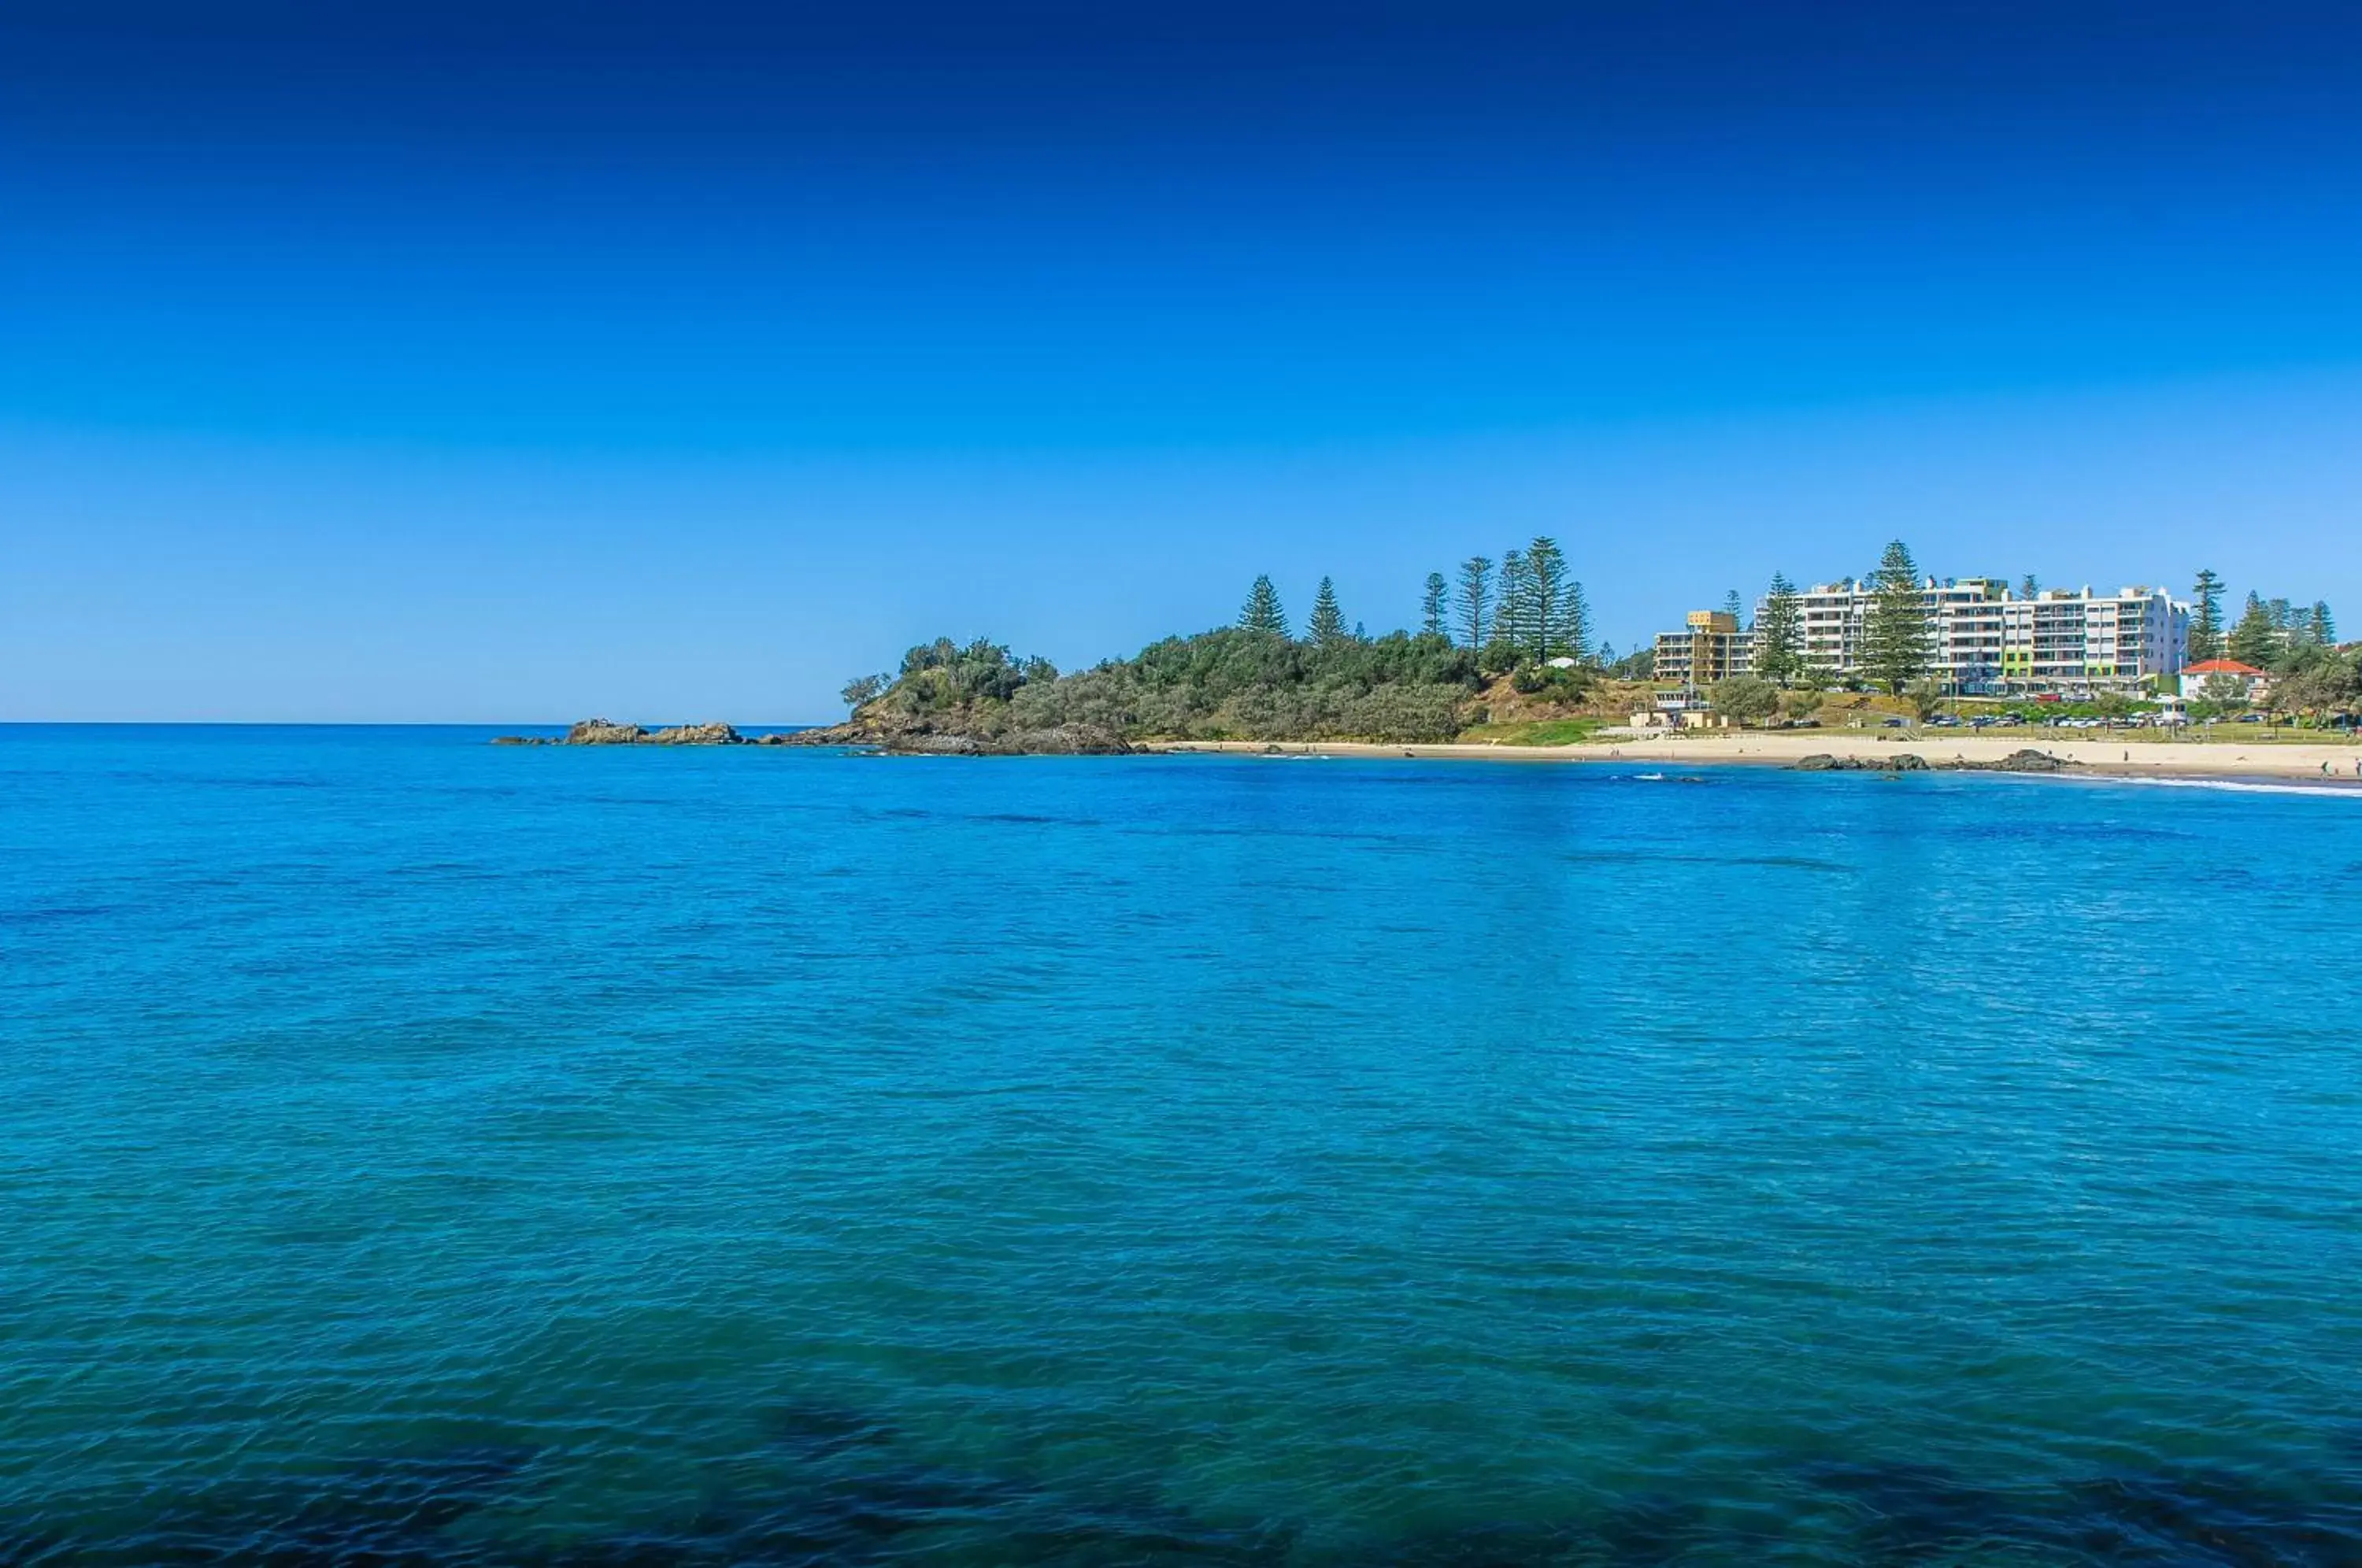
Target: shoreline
2192,761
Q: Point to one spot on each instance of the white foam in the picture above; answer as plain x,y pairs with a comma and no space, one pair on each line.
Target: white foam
2238,786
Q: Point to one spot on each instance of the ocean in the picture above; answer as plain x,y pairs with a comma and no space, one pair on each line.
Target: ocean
417,1150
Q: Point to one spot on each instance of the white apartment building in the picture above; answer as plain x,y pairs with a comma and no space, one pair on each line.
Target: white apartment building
1987,641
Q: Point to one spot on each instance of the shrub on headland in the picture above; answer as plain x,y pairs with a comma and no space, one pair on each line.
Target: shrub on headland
1240,684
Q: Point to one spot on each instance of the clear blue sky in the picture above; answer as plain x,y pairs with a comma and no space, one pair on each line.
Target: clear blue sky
502,362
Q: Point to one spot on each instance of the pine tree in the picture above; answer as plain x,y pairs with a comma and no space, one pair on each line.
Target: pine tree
2206,618
1431,606
1262,612
1546,571
2255,640
1734,608
2030,587
1517,601
1778,653
1328,624
1476,599
2324,630
1895,638
1571,635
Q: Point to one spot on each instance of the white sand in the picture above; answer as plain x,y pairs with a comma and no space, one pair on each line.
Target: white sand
2225,758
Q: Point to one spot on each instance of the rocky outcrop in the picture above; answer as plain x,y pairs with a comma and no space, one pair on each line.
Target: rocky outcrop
605,732
1822,762
937,735
696,735
601,732
2024,761
945,736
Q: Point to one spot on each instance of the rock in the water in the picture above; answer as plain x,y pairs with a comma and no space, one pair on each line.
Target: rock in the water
2027,760
697,734
1822,762
603,732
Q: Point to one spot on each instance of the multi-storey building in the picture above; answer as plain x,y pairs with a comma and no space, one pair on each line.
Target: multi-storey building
2062,641
1966,628
1711,647
1984,640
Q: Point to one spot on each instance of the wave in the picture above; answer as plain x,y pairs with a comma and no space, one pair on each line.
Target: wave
2236,786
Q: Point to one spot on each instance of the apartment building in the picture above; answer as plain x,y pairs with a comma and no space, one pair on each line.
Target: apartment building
1986,640
2061,641
1710,647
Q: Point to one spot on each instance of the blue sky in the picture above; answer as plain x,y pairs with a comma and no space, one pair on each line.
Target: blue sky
511,363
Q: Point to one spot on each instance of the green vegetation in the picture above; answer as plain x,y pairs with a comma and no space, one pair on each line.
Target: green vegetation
1526,641
2316,684
1476,602
1542,614
2206,617
1779,655
1535,732
1895,634
1744,699
2255,639
1328,625
1237,684
1640,664
1262,612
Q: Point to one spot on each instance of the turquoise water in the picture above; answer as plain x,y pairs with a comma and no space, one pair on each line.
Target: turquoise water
418,1151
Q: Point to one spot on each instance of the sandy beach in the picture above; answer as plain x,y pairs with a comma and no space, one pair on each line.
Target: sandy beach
2140,759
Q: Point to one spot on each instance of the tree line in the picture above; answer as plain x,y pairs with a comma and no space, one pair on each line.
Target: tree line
1528,609
2266,634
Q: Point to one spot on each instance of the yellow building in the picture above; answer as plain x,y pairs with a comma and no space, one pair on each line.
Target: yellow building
1711,647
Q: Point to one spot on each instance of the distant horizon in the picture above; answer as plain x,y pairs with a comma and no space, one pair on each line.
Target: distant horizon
421,364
